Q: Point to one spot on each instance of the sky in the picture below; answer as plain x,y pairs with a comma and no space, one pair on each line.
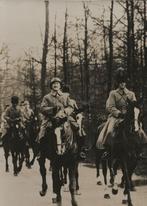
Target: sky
22,21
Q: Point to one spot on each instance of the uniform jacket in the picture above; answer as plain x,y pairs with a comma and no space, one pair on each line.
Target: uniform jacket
117,101
116,104
54,99
12,113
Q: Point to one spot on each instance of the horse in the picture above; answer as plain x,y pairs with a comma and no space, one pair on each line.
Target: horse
81,153
59,145
15,143
31,132
123,147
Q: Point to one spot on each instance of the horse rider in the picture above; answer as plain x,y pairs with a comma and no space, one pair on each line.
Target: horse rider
116,106
13,114
27,116
4,125
52,103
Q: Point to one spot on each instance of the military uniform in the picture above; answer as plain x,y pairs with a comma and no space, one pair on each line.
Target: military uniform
12,114
116,104
58,100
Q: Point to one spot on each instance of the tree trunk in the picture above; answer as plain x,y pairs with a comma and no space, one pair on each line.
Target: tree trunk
110,48
65,51
145,67
55,49
81,65
45,49
86,62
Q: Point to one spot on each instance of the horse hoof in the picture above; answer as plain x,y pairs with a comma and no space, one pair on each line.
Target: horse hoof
114,191
133,189
74,203
99,183
57,199
106,196
28,166
15,174
124,202
7,170
121,185
42,193
31,163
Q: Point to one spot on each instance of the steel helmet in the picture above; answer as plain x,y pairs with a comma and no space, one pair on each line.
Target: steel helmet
55,79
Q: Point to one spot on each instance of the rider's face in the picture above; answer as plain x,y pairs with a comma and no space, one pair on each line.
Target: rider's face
122,85
56,86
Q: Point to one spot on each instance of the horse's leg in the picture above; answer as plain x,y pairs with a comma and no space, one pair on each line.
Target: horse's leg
14,161
35,153
131,170
127,185
57,183
77,179
27,156
65,170
21,160
72,183
97,163
104,171
41,161
114,167
122,183
65,174
6,154
113,170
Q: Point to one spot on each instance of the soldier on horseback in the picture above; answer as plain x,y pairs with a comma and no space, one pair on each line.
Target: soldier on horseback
51,104
13,115
57,139
116,106
27,118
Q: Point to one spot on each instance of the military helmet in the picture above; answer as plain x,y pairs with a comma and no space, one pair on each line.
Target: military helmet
14,99
55,79
121,75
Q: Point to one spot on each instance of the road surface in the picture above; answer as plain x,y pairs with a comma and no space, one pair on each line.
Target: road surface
23,190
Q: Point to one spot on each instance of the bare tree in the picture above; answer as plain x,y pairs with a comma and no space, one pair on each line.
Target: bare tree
55,49
110,67
65,51
80,62
45,49
86,62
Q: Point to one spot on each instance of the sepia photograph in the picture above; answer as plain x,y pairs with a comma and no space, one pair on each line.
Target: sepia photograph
73,102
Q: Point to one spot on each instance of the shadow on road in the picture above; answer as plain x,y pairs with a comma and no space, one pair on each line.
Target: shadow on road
140,182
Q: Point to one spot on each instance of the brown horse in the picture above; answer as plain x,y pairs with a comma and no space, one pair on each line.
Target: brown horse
59,146
14,142
123,148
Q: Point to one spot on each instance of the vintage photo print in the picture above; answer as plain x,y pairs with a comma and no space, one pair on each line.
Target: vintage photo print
73,102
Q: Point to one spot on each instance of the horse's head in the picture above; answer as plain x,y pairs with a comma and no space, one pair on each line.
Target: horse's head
132,116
